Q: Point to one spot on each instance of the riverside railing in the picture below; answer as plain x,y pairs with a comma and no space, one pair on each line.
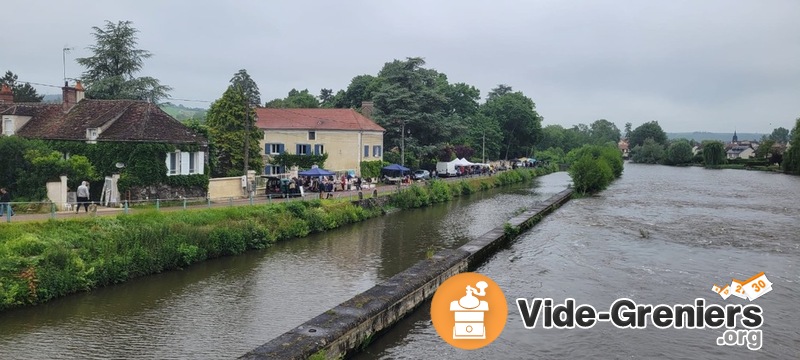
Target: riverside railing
43,210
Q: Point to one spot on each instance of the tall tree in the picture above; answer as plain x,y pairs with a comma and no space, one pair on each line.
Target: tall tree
326,98
780,135
603,131
517,117
628,130
500,90
296,100
713,153
413,98
227,122
242,81
791,159
22,92
648,130
111,70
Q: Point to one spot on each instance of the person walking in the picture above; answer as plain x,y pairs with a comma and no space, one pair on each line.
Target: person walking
83,197
5,203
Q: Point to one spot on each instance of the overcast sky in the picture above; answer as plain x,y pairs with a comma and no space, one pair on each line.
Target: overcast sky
711,65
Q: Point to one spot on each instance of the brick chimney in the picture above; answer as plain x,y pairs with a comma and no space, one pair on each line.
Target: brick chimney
367,108
71,95
6,95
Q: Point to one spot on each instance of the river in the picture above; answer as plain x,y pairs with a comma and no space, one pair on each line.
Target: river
223,308
657,235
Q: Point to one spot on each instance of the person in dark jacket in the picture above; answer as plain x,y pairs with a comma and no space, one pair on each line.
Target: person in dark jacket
5,202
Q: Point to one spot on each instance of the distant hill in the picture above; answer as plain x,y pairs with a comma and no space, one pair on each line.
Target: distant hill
724,137
183,113
52,98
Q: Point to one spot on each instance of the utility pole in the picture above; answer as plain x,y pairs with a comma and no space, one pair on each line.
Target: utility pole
403,144
483,156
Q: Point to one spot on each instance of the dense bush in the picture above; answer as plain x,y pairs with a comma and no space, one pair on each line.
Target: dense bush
679,152
651,152
595,167
372,169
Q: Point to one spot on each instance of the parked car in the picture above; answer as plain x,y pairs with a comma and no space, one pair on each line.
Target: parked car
422,175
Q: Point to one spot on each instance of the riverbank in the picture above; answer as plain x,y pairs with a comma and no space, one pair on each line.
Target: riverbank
40,261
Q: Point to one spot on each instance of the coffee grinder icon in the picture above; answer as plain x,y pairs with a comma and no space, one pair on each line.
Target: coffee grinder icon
469,313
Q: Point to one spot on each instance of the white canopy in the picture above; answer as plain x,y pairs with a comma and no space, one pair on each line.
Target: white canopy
461,162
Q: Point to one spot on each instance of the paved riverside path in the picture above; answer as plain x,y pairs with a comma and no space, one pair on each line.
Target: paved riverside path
192,204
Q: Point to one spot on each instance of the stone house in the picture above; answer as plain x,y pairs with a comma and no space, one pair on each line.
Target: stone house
89,121
347,136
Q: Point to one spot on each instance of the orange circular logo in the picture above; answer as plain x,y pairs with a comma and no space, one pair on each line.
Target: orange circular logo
469,311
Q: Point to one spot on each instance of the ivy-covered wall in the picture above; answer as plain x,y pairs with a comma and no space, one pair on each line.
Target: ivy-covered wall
145,168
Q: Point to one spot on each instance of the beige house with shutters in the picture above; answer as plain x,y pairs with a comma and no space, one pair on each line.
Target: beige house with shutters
347,136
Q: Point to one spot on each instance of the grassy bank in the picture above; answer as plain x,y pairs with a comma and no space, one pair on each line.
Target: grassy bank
40,261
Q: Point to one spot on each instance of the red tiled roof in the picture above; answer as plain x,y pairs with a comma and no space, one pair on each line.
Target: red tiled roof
130,120
314,119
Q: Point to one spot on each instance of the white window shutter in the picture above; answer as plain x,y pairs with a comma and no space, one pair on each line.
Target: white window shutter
200,162
184,163
168,163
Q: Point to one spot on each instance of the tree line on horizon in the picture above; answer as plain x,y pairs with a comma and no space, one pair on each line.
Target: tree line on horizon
434,119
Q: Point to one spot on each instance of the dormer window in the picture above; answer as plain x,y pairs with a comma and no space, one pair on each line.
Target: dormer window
8,126
91,133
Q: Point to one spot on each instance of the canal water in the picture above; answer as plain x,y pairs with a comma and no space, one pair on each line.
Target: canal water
223,308
657,235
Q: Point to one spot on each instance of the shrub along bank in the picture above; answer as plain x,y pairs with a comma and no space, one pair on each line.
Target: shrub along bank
40,261
594,167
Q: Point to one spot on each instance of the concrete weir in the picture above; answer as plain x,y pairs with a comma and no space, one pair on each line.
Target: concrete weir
352,324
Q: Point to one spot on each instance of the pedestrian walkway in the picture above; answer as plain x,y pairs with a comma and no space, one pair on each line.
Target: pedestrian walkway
200,203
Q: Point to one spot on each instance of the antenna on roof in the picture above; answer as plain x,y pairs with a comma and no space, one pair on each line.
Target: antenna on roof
64,52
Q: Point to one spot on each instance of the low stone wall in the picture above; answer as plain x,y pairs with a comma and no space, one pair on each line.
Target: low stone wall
163,192
351,325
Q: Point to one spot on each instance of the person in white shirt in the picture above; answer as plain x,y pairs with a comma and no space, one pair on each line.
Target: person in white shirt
83,197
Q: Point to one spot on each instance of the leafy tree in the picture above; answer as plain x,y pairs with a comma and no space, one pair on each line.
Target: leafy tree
362,88
413,99
713,153
110,71
500,90
780,135
463,99
243,82
679,152
651,152
791,159
295,100
594,167
648,130
628,130
227,123
518,119
764,149
603,131
22,92
326,98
